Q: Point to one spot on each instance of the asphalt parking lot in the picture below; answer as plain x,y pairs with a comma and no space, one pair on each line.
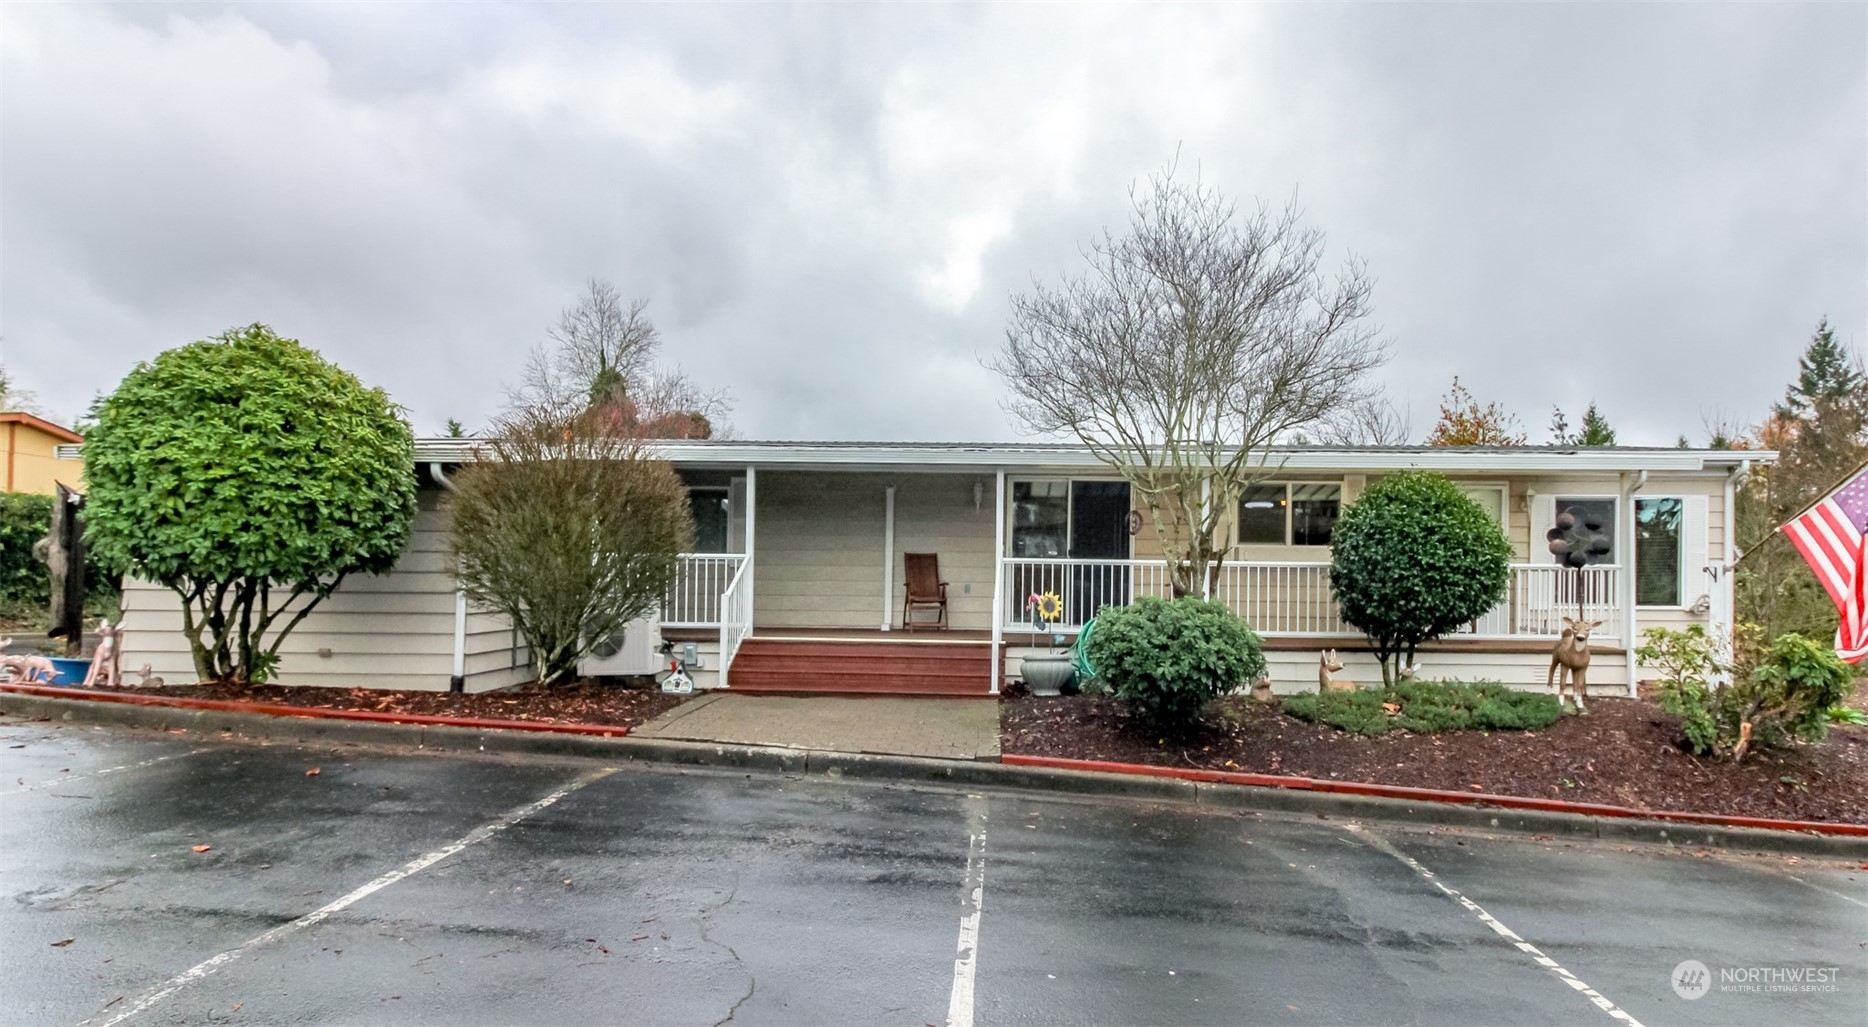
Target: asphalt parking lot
402,888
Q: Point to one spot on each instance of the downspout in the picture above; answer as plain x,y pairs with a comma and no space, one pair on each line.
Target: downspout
457,682
1628,573
1728,573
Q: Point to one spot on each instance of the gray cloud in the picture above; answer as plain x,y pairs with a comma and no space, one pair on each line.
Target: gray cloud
828,206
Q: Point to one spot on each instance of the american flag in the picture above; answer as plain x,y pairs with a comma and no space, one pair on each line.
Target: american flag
1830,538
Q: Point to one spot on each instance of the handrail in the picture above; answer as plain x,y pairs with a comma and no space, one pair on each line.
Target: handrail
735,619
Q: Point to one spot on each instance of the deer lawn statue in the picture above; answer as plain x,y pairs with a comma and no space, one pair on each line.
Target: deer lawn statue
1571,659
27,669
105,669
1327,681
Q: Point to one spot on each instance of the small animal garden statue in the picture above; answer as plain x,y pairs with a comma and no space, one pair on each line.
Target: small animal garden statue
1261,689
1571,659
27,669
1327,681
104,662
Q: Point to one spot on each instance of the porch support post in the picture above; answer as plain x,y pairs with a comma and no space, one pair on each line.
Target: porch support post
888,555
1206,509
998,580
752,567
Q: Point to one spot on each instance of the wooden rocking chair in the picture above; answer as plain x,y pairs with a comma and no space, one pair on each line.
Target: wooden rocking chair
925,590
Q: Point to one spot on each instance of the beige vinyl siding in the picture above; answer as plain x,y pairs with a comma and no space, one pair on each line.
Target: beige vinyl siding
390,631
817,550
934,513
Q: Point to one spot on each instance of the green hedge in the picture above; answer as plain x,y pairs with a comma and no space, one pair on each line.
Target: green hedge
1428,706
25,517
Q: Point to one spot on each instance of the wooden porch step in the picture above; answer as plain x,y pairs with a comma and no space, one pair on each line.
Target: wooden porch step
860,667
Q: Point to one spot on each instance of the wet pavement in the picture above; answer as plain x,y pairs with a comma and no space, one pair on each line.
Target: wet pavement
399,888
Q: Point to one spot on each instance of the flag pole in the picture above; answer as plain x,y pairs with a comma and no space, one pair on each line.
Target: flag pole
1807,507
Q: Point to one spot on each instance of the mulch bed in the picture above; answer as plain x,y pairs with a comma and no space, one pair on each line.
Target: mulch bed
1626,752
584,703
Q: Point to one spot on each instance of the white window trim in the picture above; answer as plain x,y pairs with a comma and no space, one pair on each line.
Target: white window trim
1290,506
1680,571
1070,508
1504,499
1557,497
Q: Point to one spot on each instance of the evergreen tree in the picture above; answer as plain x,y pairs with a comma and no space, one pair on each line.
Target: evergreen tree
455,431
1596,430
1827,371
1820,433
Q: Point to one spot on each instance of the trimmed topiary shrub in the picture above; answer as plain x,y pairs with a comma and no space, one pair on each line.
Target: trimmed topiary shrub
1427,707
1412,559
1168,659
251,476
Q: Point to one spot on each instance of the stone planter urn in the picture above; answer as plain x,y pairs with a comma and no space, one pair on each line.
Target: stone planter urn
1048,674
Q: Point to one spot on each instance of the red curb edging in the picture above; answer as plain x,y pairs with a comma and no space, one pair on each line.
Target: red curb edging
1432,795
311,712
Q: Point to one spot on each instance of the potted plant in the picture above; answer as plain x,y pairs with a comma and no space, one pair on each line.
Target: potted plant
1046,673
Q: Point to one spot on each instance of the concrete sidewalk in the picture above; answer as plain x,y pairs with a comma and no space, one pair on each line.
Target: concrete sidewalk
955,729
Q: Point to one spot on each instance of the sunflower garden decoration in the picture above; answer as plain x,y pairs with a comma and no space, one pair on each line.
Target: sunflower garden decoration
1049,673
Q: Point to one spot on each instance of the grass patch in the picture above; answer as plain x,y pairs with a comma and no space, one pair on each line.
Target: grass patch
1426,707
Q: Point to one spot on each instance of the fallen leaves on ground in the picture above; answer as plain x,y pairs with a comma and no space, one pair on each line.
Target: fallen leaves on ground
63,942
202,848
314,772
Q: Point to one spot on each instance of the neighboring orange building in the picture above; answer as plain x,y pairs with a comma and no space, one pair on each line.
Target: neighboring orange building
29,459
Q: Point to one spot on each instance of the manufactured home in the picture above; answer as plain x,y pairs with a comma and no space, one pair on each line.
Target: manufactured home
805,555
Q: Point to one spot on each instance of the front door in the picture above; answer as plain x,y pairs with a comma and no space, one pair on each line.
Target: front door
1099,530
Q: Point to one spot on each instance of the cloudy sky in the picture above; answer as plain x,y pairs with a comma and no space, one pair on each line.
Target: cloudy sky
828,206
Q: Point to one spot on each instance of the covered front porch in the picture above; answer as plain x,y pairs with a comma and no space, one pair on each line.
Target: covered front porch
811,596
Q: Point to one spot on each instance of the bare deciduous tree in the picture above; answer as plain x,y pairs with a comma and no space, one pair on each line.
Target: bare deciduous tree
1190,344
603,354
14,399
1368,421
568,528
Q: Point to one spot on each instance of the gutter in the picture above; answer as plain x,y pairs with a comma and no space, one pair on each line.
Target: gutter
457,682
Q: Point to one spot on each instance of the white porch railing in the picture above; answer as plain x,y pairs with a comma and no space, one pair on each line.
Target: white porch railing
735,616
1085,586
1541,595
701,579
1294,599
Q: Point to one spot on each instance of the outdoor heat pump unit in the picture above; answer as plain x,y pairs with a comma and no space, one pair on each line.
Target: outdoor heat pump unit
634,648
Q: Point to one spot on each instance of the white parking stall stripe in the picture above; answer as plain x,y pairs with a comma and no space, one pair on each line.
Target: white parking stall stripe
972,901
415,866
1615,1012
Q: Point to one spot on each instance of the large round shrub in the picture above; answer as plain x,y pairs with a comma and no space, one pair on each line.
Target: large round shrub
1414,558
251,476
1168,659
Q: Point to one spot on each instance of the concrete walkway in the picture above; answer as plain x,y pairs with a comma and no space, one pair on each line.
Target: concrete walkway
964,729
